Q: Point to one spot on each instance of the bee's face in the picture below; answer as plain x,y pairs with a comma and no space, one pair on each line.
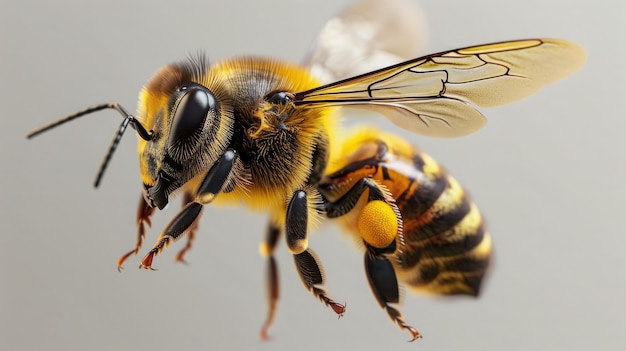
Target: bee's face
191,126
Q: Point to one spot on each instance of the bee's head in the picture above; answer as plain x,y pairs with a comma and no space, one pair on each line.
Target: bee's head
191,122
184,124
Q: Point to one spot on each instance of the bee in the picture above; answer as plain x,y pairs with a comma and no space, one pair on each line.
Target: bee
265,134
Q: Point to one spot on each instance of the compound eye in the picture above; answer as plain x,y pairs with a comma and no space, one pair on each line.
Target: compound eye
192,107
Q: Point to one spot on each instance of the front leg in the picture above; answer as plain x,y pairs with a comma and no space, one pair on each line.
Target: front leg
307,263
144,211
212,184
191,232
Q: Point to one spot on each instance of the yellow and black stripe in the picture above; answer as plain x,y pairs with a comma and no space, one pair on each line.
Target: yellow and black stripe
442,247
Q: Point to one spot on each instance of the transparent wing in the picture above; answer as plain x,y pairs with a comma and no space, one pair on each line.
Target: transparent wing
368,35
435,95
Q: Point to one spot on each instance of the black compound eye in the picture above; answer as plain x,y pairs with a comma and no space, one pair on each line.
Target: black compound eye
191,111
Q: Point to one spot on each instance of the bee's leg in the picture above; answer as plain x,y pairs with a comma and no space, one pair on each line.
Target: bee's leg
380,226
307,263
144,211
179,225
191,232
272,286
347,202
384,284
212,184
379,222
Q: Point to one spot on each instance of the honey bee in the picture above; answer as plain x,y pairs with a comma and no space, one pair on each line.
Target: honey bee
265,134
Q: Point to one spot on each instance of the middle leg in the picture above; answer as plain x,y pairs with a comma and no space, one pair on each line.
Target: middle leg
272,286
307,263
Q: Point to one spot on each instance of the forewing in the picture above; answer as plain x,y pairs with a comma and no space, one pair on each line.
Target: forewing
435,95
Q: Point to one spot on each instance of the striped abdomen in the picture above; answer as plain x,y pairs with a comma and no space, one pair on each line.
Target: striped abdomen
445,248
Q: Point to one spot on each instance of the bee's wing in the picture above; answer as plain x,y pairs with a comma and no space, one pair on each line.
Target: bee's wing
368,35
434,95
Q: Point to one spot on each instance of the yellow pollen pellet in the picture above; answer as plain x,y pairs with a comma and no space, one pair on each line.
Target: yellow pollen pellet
378,224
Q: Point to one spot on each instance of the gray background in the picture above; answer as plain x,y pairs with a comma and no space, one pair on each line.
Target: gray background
548,173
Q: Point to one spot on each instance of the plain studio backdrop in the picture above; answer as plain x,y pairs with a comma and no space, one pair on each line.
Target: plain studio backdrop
548,173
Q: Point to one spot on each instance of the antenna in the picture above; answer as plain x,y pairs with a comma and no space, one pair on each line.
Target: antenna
128,119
